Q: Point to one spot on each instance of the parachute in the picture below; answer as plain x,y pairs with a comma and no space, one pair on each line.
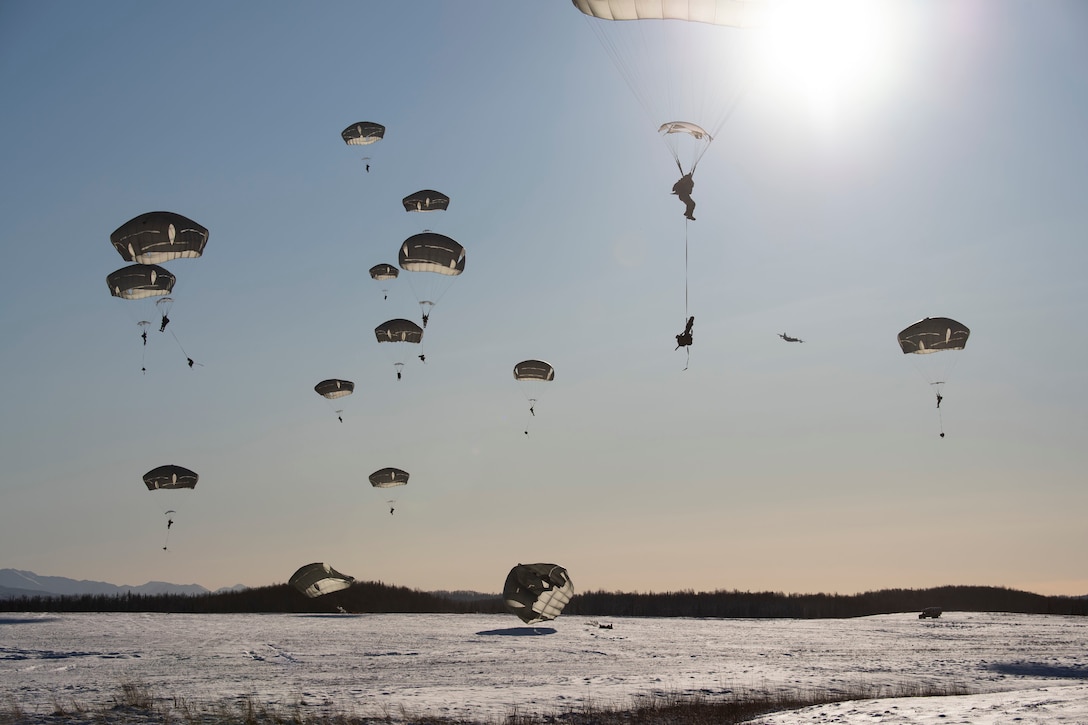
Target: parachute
140,281
363,133
685,62
317,579
400,332
159,236
537,592
151,239
682,61
334,389
933,334
924,340
389,478
530,374
168,478
426,200
384,273
145,286
438,259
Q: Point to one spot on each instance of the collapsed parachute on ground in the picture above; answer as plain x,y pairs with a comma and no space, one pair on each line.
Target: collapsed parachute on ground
388,478
363,133
169,477
923,340
317,579
537,592
437,259
159,236
426,200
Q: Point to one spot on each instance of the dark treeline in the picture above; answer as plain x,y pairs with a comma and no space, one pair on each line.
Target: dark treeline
375,597
361,597
733,604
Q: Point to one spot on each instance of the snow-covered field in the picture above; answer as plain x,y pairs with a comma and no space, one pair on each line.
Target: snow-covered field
1029,668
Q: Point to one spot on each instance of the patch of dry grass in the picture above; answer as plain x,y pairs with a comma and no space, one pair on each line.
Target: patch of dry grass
135,704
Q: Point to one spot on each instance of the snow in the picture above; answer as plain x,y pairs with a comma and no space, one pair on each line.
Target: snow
1027,668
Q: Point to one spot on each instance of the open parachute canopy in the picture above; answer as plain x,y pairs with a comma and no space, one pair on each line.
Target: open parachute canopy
140,281
683,59
431,252
159,236
426,200
317,579
691,129
362,133
734,13
534,370
334,388
399,330
933,334
170,477
383,272
537,592
435,260
388,478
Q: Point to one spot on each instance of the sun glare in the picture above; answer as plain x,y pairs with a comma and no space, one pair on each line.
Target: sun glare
829,56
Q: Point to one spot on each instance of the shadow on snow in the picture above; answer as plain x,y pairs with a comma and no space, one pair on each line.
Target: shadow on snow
1040,669
517,632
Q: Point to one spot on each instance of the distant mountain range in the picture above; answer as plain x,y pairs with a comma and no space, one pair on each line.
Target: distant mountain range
17,583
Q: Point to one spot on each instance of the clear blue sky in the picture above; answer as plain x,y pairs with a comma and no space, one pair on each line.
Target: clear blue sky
947,179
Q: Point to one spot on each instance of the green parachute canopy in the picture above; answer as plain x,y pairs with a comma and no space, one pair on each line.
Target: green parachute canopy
388,478
435,260
317,579
170,477
363,133
432,252
383,272
534,370
334,388
399,330
140,281
426,200
537,592
159,236
401,333
933,334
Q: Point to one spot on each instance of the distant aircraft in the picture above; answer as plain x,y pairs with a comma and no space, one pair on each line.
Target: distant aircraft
787,338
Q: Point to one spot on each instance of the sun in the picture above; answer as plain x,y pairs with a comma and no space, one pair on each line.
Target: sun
831,56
